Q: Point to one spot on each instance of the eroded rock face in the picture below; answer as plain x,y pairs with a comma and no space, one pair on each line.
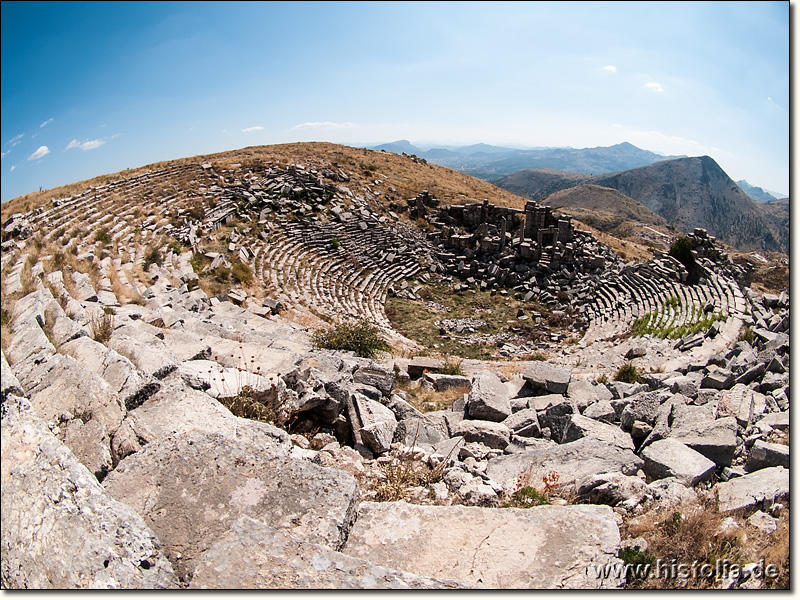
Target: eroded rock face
190,488
253,555
61,529
549,547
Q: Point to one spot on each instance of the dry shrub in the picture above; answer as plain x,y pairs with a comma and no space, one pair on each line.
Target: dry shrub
102,327
686,534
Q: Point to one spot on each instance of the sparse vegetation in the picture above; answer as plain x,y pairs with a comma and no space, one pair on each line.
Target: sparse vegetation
628,373
102,327
242,273
363,338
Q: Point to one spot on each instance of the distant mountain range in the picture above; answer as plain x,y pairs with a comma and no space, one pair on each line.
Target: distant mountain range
757,193
493,162
686,192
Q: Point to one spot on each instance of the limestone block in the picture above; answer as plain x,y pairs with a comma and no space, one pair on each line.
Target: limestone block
60,528
488,399
493,435
756,489
714,439
584,393
764,454
544,547
580,426
524,423
548,377
253,555
208,481
670,458
572,461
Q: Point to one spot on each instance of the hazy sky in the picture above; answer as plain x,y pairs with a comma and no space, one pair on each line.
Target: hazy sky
96,87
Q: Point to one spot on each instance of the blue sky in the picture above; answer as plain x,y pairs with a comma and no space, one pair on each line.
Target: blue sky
90,88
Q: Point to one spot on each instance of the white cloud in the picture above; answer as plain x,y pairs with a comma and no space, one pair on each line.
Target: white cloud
249,129
4,154
656,87
611,68
86,145
40,152
15,140
323,125
46,123
12,168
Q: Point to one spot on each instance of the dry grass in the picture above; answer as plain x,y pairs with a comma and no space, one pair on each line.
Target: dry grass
102,327
424,399
696,531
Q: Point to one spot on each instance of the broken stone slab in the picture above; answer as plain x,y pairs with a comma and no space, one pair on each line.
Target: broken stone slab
209,480
442,382
759,489
488,399
421,364
544,402
524,423
556,418
492,434
544,547
715,439
737,402
580,426
601,411
584,393
119,372
377,423
718,379
611,489
764,454
8,380
547,377
670,458
253,555
377,376
61,529
419,432
176,409
149,353
642,407
572,461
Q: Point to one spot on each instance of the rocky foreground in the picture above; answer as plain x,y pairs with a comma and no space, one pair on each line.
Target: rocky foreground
121,468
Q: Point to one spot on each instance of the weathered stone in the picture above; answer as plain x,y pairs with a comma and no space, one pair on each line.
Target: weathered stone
8,380
556,418
670,492
584,393
253,555
601,411
543,402
379,435
714,439
209,480
764,454
643,407
548,377
572,461
544,547
488,398
670,458
61,529
421,364
150,354
718,379
758,489
175,409
494,435
763,522
376,376
524,423
442,382
610,488
580,426
418,432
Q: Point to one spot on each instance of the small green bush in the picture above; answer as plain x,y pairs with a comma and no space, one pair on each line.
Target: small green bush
362,338
452,368
628,373
242,273
335,243
103,237
151,257
682,250
526,497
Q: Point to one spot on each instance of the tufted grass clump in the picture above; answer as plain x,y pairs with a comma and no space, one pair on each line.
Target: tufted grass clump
628,373
363,338
242,273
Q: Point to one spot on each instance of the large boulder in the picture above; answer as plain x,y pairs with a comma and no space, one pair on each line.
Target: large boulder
190,489
524,423
764,454
488,399
545,547
252,555
60,528
580,426
715,439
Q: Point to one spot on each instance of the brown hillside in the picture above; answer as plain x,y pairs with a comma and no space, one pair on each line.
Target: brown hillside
392,177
